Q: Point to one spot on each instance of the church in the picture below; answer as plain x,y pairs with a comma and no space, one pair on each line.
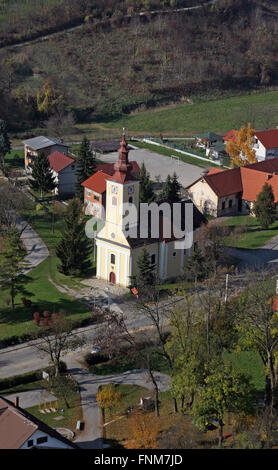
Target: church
117,250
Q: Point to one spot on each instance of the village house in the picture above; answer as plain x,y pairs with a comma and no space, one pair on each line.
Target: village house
64,169
117,253
95,188
207,139
231,135
47,145
266,144
21,430
233,192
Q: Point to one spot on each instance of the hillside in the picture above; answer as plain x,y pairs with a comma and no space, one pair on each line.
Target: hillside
115,64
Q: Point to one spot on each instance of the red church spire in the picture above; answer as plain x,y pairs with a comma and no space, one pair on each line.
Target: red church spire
122,168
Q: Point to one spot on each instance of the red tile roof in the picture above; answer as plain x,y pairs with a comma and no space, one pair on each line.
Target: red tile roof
247,180
253,182
230,135
97,182
225,182
212,171
58,161
269,139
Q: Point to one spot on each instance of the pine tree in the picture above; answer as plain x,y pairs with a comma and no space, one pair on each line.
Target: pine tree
146,275
75,248
264,208
5,146
146,189
43,178
171,190
86,166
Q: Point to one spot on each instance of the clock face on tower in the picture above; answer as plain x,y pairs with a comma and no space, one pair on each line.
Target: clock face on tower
114,190
130,189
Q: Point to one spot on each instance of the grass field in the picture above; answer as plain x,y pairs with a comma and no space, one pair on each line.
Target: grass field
219,115
252,236
41,284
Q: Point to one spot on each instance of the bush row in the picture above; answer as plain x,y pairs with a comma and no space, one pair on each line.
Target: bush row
29,377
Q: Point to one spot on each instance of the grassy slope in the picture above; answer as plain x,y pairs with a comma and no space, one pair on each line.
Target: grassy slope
219,115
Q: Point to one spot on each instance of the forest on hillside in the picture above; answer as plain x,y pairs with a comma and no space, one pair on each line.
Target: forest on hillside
122,64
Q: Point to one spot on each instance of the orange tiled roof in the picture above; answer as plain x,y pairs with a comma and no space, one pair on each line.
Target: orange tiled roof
269,139
231,135
97,182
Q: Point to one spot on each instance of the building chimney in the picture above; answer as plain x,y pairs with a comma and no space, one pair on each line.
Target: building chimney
16,402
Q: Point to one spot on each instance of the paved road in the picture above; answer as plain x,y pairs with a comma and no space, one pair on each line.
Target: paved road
259,258
90,438
159,165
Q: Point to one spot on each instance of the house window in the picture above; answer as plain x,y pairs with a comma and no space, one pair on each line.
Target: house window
72,167
89,193
223,205
230,203
112,259
174,254
114,201
30,443
153,259
96,198
41,440
130,200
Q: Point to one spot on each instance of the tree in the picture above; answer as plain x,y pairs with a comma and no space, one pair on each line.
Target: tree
264,208
12,265
146,186
257,324
43,179
108,397
49,99
225,390
86,166
240,149
75,248
171,189
57,340
5,146
143,431
146,275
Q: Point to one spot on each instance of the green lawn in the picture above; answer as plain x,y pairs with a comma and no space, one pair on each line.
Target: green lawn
252,236
250,363
219,115
40,284
15,159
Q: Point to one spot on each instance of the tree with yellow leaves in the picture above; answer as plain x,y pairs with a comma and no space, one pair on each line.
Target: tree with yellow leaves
108,397
49,99
241,149
143,430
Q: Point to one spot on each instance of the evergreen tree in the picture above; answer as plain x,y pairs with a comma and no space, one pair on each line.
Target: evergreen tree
5,146
75,248
264,208
86,166
171,190
146,275
43,178
146,189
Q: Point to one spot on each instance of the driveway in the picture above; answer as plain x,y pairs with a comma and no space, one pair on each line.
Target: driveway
159,165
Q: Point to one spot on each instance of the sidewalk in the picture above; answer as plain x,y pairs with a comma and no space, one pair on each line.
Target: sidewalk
37,251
